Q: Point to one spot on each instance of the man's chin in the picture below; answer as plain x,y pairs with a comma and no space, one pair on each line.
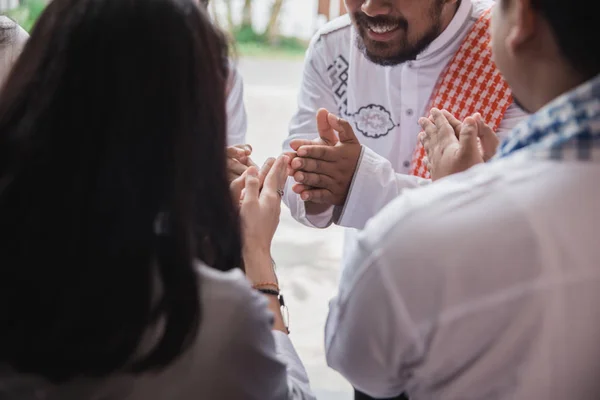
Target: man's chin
386,57
392,54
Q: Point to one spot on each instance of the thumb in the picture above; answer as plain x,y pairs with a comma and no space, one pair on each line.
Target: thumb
252,185
325,129
343,127
468,137
489,139
237,186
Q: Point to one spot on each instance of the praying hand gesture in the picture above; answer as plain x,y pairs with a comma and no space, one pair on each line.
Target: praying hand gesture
453,146
323,168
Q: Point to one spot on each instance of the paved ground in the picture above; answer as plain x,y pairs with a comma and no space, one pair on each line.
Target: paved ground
307,259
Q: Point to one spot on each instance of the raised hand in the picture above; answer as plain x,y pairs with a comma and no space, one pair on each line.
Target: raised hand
238,160
453,146
324,168
259,212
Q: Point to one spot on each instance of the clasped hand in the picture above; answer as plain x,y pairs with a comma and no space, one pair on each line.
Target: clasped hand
453,146
323,168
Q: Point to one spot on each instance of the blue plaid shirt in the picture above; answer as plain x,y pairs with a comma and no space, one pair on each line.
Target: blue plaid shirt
567,128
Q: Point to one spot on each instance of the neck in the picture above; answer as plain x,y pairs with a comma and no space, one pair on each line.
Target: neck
551,81
448,13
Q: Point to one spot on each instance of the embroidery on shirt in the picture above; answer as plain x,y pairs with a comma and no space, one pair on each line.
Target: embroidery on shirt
372,120
338,73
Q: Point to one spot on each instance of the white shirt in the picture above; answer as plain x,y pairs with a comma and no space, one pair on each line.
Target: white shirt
10,50
338,77
236,356
237,123
484,285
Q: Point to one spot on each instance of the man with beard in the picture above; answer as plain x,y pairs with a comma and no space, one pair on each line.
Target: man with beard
381,68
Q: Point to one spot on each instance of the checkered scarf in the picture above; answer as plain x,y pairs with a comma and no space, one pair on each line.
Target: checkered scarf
470,83
567,128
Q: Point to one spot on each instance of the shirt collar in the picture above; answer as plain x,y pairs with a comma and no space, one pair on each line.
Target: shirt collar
451,32
569,126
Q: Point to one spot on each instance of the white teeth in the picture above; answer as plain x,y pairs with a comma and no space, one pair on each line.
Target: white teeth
382,28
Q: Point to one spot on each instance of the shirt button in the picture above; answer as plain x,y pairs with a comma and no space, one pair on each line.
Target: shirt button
410,64
409,112
406,164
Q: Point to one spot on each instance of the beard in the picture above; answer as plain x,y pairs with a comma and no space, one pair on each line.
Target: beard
390,54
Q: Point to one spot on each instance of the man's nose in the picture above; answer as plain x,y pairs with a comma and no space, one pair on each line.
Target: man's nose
374,8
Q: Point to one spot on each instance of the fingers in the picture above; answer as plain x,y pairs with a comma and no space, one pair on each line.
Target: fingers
252,185
325,129
343,127
298,188
277,176
235,168
439,118
312,165
264,170
236,187
429,130
455,123
245,147
296,143
250,163
468,136
489,139
314,180
319,196
236,152
325,153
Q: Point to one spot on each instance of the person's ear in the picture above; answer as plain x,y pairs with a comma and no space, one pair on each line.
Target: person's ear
523,22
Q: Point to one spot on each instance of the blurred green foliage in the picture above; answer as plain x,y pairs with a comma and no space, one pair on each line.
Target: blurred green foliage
27,13
249,42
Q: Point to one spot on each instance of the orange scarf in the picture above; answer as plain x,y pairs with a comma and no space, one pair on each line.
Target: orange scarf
470,83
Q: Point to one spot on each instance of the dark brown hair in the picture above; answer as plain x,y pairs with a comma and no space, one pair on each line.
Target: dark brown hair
113,116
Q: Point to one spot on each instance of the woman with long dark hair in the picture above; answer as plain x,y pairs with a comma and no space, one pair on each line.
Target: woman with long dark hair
114,202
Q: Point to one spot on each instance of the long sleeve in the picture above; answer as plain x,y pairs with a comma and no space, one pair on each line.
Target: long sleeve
375,184
237,123
264,365
315,93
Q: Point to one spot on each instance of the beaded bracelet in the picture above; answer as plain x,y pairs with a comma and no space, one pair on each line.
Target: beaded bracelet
266,285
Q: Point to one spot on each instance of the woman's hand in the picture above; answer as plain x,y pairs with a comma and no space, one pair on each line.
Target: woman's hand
236,186
238,160
259,211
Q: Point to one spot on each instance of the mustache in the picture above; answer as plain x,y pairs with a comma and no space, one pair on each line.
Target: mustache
363,20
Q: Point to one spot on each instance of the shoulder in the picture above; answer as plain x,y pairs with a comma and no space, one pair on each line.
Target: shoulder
335,27
228,299
480,7
453,223
230,287
335,35
16,36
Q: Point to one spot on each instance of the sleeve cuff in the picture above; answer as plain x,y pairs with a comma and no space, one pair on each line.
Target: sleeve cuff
298,210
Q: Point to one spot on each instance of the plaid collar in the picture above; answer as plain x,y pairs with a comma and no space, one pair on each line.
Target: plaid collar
568,127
